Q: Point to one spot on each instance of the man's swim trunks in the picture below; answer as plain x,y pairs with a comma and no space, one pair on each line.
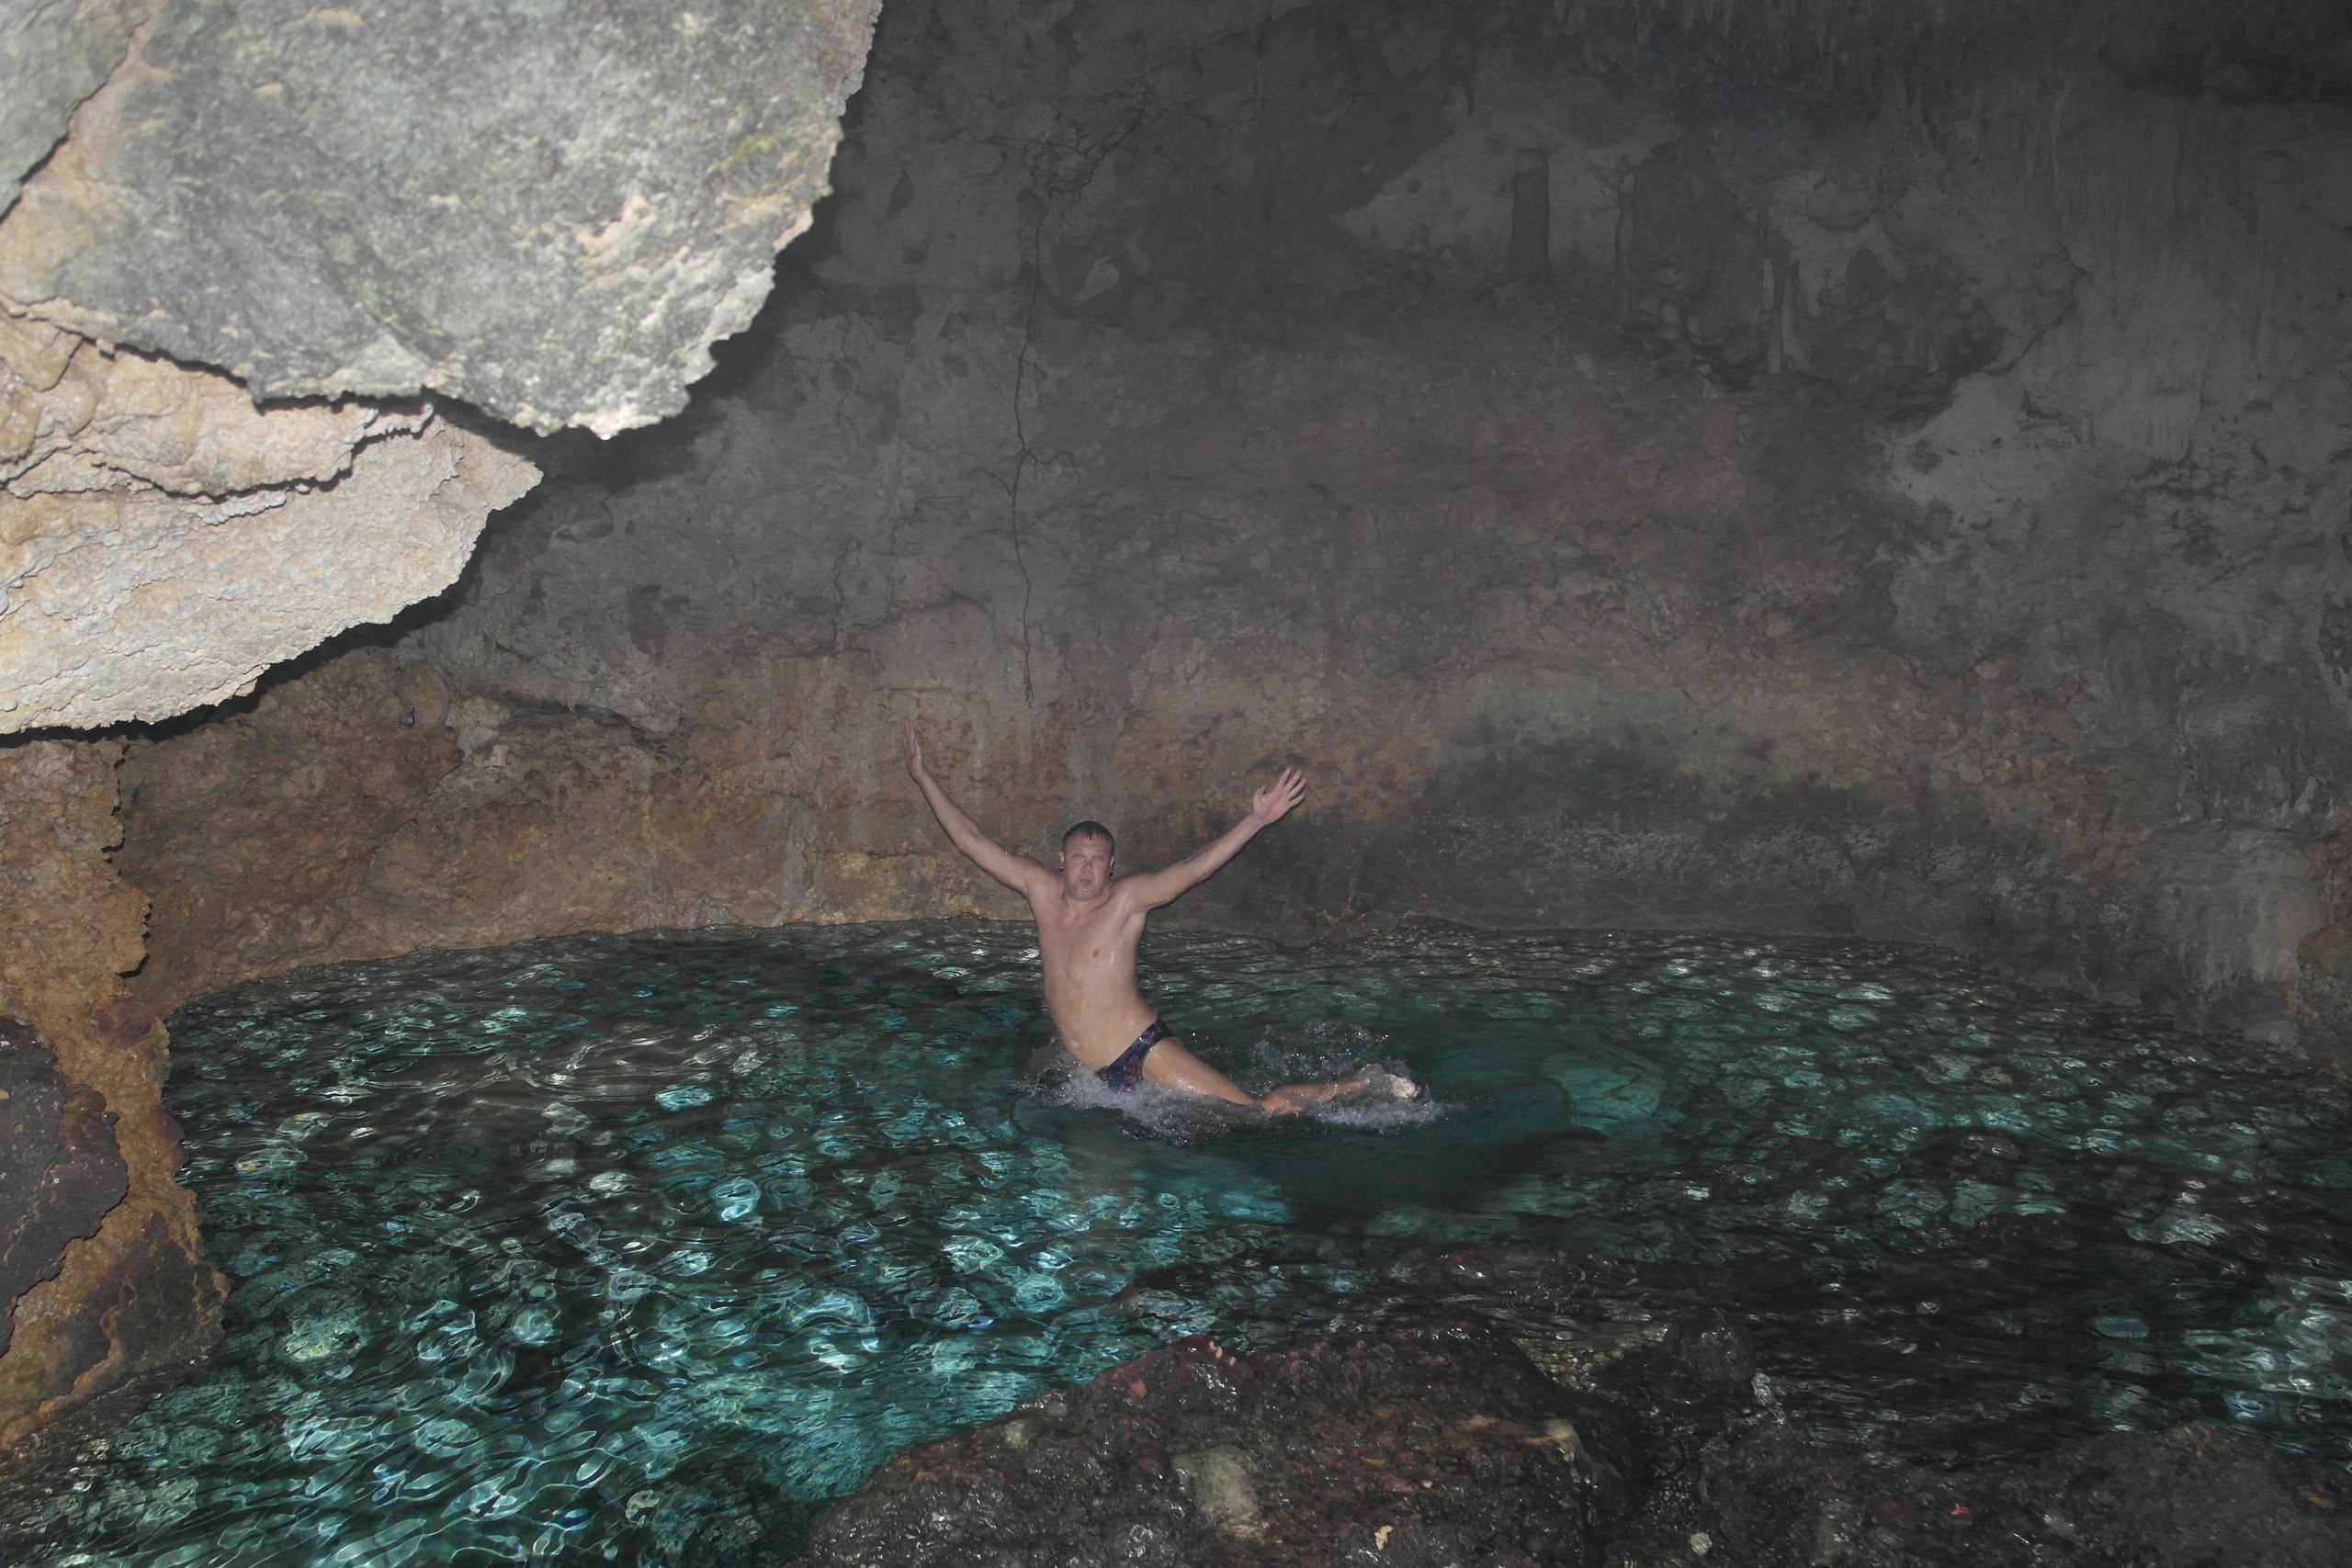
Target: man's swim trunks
1126,1072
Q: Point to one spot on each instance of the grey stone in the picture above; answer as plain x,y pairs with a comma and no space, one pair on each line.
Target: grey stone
548,210
53,53
163,541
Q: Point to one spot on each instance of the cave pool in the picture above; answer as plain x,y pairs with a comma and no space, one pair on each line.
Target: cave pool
641,1249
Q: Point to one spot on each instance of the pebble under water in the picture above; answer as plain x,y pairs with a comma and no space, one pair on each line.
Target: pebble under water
641,1249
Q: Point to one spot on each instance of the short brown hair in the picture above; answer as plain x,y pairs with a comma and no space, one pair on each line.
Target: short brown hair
1091,830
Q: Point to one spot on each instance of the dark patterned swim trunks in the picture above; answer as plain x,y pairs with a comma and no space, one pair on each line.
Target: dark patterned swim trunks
1122,1075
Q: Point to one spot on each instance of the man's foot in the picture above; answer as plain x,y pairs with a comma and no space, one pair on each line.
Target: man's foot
1375,1084
1380,1083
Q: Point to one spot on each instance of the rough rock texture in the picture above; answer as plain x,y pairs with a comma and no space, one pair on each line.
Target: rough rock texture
131,1300
1635,1445
551,211
1418,1446
53,53
1911,506
550,216
548,212
2182,1498
57,1157
163,541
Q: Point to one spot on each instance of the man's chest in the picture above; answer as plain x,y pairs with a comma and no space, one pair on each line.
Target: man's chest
1088,939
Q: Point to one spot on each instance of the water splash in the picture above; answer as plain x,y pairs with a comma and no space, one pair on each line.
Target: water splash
1319,1053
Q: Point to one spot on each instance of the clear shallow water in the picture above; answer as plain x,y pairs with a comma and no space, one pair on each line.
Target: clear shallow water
641,1249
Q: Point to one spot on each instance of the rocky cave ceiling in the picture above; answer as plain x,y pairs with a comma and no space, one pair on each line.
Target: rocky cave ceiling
550,217
241,244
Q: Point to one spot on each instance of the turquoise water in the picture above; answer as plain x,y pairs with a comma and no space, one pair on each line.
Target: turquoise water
641,1249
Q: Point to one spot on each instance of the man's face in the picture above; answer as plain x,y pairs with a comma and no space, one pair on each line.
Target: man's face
1086,867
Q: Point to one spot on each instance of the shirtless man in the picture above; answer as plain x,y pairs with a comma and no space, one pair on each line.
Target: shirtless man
1088,926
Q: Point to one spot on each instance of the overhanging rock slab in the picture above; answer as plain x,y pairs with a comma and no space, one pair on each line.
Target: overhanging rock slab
549,211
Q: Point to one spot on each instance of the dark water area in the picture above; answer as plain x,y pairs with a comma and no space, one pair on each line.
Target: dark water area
642,1249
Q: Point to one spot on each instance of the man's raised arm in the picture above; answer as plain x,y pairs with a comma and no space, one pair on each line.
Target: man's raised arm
1267,807
1017,871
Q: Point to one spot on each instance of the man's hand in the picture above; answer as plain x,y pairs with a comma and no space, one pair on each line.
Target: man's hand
1021,873
1270,804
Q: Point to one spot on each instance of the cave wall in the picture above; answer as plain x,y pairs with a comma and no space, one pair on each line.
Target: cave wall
251,257
547,213
291,203
1904,493
98,1246
168,541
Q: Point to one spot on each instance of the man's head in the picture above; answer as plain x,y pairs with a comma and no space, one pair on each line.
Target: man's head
1087,850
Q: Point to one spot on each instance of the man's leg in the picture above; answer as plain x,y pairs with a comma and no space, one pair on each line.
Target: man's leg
1170,1063
1293,1097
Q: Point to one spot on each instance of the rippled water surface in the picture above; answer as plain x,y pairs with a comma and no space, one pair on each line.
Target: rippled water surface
639,1249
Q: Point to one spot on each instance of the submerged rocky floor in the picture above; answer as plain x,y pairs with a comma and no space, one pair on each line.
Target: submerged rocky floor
1443,1444
651,1249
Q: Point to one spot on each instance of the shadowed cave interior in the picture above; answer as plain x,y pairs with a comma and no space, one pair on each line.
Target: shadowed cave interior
1834,485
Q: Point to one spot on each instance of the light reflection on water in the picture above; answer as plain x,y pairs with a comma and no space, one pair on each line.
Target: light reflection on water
641,1249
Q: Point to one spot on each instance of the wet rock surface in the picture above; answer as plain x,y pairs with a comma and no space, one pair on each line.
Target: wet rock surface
1419,1447
59,1171
2181,1498
129,1302
1425,1446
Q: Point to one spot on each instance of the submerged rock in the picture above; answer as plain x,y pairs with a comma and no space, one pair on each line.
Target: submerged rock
1439,1444
2192,1496
1636,1444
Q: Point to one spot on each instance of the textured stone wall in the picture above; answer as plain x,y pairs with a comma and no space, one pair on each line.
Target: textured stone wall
545,212
167,541
369,200
1909,506
98,1250
236,244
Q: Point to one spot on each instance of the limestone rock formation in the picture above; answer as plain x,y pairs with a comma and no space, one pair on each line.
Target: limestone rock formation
130,1298
234,243
1635,506
163,541
551,214
54,55
328,200
58,1152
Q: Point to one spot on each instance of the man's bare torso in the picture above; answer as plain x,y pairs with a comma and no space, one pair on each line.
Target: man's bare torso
1089,927
1088,953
